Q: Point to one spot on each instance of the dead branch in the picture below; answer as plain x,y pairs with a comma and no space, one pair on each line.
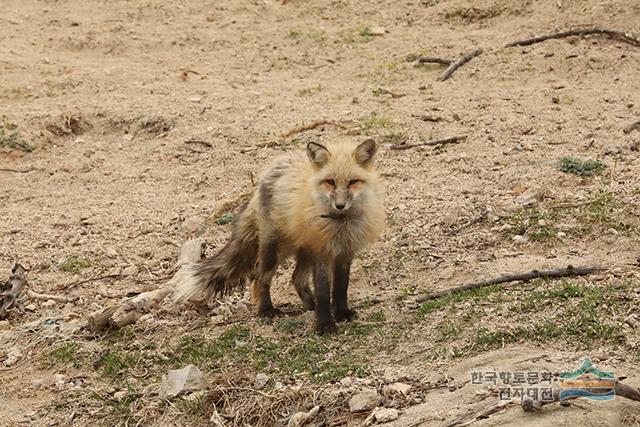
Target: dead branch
17,170
459,63
430,60
197,141
620,390
618,35
632,126
524,277
130,311
313,125
394,95
452,140
47,297
231,204
11,289
485,412
91,279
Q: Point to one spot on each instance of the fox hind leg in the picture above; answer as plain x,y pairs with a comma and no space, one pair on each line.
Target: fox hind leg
301,275
261,286
340,304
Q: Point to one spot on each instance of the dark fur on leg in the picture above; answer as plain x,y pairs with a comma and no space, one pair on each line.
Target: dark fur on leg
340,304
324,319
301,275
267,264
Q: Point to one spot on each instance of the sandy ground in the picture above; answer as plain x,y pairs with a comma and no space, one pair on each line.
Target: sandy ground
109,93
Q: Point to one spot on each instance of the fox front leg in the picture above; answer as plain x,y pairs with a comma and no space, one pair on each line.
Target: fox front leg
324,319
341,309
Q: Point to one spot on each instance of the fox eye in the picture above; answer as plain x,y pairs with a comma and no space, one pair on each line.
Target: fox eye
330,182
354,182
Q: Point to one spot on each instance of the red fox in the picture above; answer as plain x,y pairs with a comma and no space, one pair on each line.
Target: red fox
321,208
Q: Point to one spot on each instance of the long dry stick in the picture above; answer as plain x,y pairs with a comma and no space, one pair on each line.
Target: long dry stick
452,140
525,277
312,125
16,170
459,63
430,60
484,412
618,35
622,390
631,127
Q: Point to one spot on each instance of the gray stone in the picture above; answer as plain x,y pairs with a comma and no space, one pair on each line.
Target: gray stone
364,401
179,381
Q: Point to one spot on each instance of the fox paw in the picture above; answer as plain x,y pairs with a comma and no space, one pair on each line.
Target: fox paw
345,315
326,328
270,312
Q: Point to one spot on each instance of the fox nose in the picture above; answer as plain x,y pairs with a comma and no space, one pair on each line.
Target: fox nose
340,206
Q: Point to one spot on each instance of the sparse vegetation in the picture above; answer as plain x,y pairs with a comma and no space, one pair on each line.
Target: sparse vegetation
580,167
225,218
10,138
74,264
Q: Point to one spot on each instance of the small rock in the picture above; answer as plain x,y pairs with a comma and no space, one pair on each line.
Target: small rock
529,198
613,150
519,239
561,234
49,303
401,388
181,381
377,31
31,307
301,418
364,401
385,415
261,380
130,270
346,381
195,99
4,324
110,252
13,356
119,395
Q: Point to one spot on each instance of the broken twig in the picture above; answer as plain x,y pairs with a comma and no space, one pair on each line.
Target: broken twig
632,126
11,289
16,170
429,60
618,35
452,140
311,126
197,141
524,277
620,390
459,63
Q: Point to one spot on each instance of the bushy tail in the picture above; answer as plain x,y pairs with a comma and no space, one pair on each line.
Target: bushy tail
225,271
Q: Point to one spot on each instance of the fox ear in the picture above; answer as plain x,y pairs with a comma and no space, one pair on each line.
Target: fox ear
318,154
364,152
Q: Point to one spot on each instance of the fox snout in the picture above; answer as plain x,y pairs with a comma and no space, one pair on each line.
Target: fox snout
341,201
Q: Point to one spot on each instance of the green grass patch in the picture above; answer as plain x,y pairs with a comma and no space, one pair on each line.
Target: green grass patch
225,218
373,121
65,354
576,166
73,264
10,138
318,358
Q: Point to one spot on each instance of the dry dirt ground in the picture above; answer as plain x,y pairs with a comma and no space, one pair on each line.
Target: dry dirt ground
98,100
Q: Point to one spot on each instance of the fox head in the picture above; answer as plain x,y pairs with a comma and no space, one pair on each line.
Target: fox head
344,178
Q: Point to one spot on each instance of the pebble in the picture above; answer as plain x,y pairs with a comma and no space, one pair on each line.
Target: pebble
4,324
119,395
110,252
181,381
401,388
561,234
130,270
364,401
519,239
49,303
377,31
261,380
